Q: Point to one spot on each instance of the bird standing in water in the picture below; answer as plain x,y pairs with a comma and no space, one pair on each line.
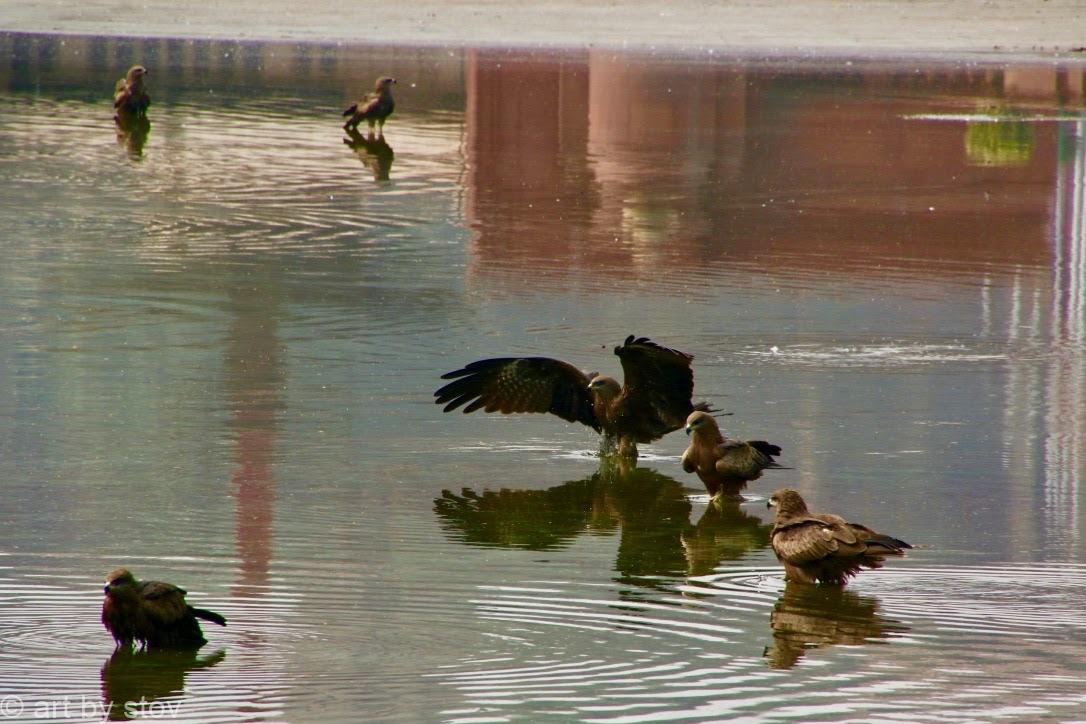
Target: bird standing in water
374,108
824,547
723,464
129,96
152,613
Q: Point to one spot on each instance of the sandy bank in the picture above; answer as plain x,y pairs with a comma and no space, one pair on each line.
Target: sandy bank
858,27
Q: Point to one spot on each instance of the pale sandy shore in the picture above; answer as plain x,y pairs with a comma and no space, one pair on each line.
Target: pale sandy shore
1043,28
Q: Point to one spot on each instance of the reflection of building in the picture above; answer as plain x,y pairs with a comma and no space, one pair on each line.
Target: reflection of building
255,380
1065,441
529,191
612,167
689,119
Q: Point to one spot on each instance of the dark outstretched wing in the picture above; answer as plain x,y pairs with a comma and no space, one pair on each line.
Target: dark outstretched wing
658,382
520,384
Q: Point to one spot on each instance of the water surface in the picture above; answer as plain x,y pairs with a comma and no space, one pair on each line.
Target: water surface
219,337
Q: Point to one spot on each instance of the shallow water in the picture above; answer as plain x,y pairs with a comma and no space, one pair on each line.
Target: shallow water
218,344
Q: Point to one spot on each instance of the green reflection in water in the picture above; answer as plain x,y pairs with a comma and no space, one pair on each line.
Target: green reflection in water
1004,142
649,510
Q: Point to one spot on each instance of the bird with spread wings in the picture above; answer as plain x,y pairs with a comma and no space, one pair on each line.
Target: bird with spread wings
653,401
152,613
823,546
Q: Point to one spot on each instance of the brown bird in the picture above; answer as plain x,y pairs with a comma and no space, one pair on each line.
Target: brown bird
822,546
152,613
375,108
654,400
723,464
129,95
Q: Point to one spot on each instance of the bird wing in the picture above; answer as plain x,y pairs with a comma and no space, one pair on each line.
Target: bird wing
735,457
520,384
657,381
120,93
163,602
878,542
367,105
843,531
768,449
689,459
802,540
158,589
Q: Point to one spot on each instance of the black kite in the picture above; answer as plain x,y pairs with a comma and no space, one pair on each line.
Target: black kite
654,400
375,108
822,546
152,613
129,95
723,464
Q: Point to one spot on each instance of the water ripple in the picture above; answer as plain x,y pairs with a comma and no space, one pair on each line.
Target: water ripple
636,671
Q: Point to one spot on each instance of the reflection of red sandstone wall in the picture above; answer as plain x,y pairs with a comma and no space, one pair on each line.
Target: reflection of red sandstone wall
688,165
906,186
1045,83
253,488
254,380
658,133
529,188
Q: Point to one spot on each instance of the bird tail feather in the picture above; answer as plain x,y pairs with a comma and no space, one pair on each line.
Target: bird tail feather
893,545
766,448
208,616
350,111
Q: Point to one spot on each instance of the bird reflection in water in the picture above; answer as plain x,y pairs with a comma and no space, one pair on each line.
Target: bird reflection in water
373,151
650,511
132,130
811,617
725,532
134,680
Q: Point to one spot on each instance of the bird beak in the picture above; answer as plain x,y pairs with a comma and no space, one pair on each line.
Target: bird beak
688,428
106,589
769,503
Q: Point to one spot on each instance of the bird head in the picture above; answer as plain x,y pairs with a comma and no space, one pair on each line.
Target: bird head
384,83
136,73
604,386
699,420
118,578
787,502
